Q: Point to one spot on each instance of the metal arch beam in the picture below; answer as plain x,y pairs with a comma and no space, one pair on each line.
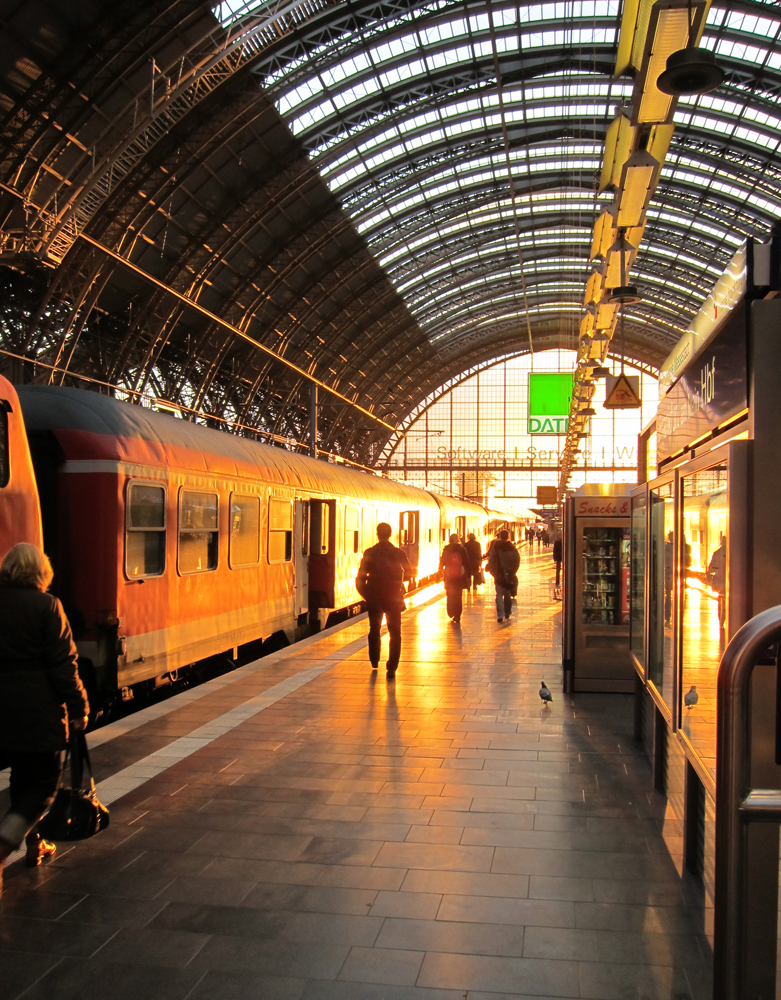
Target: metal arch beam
212,317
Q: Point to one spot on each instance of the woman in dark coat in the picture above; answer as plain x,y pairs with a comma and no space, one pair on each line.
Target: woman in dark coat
41,696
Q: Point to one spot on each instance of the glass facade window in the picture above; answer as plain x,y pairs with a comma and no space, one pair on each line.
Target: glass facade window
245,530
145,531
198,532
637,584
661,594
704,597
473,439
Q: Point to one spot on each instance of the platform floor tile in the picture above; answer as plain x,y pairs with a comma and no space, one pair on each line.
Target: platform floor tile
437,837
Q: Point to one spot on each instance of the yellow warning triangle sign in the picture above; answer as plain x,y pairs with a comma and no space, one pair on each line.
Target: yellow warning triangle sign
622,392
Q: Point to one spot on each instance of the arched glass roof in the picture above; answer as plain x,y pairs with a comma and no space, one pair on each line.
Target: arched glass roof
463,140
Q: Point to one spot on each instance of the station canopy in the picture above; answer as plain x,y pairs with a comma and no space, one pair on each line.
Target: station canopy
212,205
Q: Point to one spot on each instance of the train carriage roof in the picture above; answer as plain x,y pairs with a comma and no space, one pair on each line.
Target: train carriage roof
91,426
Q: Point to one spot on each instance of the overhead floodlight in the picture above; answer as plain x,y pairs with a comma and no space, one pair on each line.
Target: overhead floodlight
671,25
618,145
636,186
603,235
587,325
593,288
600,372
606,316
622,251
690,71
588,412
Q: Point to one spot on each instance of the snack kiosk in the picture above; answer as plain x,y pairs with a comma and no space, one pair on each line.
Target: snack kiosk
596,590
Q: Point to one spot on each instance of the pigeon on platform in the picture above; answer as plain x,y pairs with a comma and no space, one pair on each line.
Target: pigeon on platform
545,696
691,698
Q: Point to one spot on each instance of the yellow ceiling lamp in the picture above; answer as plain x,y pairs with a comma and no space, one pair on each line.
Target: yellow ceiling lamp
587,325
619,142
638,182
603,235
594,289
668,31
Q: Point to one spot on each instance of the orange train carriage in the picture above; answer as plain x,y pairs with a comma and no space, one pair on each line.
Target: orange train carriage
172,542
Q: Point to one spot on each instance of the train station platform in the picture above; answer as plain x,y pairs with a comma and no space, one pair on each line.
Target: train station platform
303,829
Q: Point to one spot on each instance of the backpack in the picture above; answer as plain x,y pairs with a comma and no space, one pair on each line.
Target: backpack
454,567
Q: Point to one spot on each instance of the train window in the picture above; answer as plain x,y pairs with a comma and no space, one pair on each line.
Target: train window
430,534
352,536
320,530
198,532
5,467
280,531
368,527
145,531
245,530
408,527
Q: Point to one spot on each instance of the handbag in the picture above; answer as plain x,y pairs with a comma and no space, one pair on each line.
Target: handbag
76,813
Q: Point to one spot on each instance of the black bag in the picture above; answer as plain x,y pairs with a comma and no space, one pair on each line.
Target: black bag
76,813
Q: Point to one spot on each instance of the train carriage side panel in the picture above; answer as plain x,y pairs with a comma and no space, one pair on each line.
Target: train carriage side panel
20,515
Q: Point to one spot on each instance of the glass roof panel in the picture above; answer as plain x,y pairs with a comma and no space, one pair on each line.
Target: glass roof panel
466,184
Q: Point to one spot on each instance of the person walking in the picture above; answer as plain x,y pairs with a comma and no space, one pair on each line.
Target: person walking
42,698
455,566
475,553
380,582
503,563
557,555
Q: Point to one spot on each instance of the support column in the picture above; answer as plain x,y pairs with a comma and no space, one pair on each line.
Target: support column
313,420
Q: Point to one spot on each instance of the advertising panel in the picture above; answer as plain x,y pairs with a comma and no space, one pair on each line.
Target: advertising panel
550,396
712,388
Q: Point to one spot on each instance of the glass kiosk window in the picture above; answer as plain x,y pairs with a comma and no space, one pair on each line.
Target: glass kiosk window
661,576
605,576
637,585
705,526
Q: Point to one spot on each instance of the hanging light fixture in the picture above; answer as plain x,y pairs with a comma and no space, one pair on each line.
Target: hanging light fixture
691,70
624,294
636,186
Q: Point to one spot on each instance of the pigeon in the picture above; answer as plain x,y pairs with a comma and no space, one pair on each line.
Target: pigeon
691,698
546,697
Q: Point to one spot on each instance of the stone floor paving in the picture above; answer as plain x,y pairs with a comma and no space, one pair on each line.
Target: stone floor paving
439,837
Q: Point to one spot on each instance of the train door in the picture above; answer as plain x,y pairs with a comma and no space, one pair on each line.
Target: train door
301,556
322,553
409,536
461,529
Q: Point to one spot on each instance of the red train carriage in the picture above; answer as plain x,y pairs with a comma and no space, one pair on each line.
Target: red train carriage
173,542
20,519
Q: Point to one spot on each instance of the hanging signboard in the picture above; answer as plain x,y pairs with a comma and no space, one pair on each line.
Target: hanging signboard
711,389
550,397
547,495
622,392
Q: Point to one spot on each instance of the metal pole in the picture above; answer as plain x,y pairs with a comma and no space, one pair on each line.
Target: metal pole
746,905
312,420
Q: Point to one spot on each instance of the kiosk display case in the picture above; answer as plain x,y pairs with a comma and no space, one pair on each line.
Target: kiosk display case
597,590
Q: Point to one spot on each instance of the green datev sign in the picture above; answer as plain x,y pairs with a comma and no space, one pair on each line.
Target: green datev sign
550,394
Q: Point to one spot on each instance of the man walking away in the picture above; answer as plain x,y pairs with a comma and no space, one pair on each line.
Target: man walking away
557,560
503,566
380,582
475,552
454,565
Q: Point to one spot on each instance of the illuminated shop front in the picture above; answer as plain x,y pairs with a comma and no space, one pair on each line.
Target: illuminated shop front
706,538
479,437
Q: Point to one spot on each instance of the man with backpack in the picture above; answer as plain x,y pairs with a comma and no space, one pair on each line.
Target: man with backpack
456,570
503,563
380,582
